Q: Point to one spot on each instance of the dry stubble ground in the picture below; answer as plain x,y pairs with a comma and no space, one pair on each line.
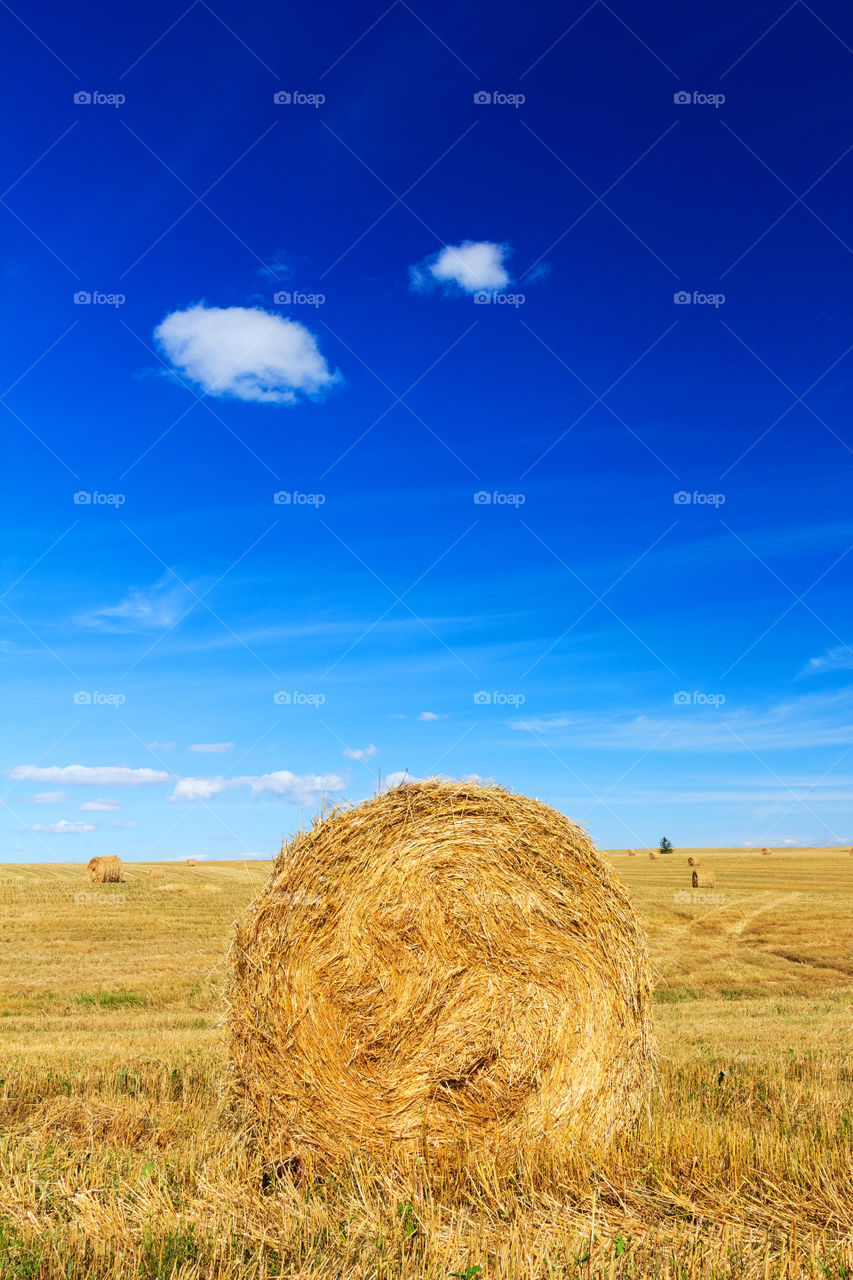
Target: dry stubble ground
117,1156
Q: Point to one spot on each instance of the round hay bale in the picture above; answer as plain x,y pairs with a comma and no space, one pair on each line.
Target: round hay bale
693,862
653,855
767,852
156,875
190,862
446,967
105,870
702,879
632,853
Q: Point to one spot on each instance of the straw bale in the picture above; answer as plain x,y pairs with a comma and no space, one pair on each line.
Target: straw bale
105,870
447,967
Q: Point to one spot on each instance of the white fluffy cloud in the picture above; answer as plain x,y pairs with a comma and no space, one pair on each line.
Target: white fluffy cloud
64,828
82,775
48,797
98,806
291,787
429,715
161,746
470,266
211,748
360,753
245,353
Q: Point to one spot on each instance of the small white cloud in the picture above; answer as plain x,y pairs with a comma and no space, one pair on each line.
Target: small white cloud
429,715
98,806
48,797
200,788
89,776
211,748
124,824
245,353
470,266
399,779
360,753
64,828
290,787
161,746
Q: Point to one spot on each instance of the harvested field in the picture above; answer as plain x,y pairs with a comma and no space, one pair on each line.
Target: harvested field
119,1153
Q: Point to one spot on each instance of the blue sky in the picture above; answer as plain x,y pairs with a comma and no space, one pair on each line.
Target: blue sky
421,274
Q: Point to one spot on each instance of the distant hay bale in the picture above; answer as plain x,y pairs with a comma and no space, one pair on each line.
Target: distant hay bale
653,855
767,852
702,879
105,870
156,875
693,862
447,967
632,853
190,862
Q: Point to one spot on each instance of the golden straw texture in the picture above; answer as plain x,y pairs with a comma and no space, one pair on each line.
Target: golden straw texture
105,870
703,880
445,967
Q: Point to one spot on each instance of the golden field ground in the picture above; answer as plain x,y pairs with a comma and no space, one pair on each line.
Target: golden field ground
119,1156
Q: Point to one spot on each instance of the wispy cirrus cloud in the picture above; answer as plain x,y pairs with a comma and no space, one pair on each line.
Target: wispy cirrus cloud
211,748
65,828
47,797
814,720
98,806
153,608
82,775
360,753
838,659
